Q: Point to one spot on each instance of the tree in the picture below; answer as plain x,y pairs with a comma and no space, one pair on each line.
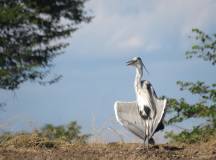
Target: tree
205,107
29,37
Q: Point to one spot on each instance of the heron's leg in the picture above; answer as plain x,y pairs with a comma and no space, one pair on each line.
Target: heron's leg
142,146
144,132
148,132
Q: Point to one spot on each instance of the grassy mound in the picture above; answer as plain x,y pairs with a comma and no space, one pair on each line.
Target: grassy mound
29,140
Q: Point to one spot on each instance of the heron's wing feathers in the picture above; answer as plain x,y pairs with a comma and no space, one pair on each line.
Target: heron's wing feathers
160,106
127,114
151,89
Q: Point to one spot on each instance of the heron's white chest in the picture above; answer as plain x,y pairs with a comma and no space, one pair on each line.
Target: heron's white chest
142,97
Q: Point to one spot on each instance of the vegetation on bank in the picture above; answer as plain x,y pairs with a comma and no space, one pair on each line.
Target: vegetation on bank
205,107
49,136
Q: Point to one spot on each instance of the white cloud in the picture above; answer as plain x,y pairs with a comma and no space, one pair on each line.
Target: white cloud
120,25
152,47
132,42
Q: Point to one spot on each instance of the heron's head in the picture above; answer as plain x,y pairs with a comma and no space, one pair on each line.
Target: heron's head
136,62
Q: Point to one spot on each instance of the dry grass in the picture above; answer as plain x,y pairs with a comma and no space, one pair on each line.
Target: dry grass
30,140
33,147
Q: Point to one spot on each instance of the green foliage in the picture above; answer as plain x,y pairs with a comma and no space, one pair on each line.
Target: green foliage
69,133
205,46
205,107
29,34
198,134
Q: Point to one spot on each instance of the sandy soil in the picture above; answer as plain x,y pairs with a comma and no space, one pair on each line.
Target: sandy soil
113,151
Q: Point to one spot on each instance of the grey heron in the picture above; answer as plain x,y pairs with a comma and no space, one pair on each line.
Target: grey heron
144,116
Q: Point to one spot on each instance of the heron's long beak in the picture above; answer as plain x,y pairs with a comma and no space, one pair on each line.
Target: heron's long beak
131,62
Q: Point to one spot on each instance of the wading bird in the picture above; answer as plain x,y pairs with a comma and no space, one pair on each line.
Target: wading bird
144,116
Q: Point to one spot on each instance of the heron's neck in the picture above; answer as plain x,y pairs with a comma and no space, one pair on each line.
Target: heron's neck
138,78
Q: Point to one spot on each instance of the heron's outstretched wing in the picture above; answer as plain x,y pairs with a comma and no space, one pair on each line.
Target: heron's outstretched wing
127,114
160,106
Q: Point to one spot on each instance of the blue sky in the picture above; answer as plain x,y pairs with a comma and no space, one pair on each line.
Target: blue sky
93,66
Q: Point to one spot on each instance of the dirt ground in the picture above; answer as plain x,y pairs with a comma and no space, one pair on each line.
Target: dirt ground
113,151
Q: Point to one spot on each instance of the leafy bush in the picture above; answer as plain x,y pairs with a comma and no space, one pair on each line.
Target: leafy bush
198,134
205,107
69,133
